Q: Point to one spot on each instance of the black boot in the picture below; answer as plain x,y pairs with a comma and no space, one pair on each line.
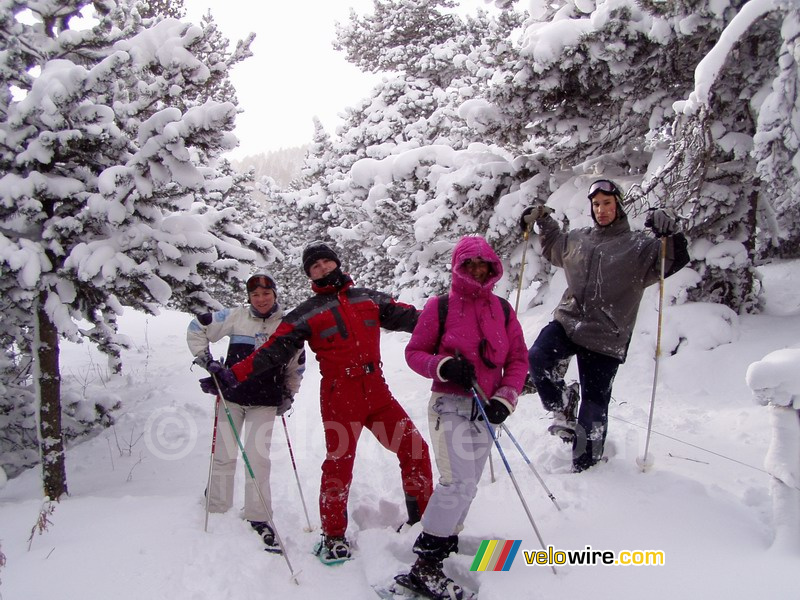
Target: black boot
414,514
333,549
564,417
429,579
427,575
267,535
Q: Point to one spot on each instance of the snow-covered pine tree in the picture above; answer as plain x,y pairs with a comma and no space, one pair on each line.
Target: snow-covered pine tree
414,108
775,148
233,190
589,92
711,173
107,134
302,214
398,37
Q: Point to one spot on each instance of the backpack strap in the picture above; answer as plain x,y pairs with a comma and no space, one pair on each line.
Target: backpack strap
506,308
443,305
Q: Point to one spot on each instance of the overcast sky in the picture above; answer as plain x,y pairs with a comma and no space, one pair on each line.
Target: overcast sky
295,74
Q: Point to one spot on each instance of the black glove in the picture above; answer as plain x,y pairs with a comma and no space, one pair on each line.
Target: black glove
225,377
662,221
496,411
532,214
460,371
286,402
208,386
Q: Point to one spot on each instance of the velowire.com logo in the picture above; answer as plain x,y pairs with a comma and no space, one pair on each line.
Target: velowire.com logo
495,555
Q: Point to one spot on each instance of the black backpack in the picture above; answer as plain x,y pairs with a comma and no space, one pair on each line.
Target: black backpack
444,302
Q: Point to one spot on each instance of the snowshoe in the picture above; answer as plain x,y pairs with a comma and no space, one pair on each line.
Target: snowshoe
333,550
394,591
580,468
407,585
427,579
263,529
567,434
403,589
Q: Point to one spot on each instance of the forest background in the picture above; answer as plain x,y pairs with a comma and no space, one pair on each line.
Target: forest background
115,190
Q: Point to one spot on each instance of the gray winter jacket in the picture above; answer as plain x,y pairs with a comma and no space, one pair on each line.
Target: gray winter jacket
607,270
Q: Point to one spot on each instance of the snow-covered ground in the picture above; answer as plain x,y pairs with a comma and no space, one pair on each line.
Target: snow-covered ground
132,527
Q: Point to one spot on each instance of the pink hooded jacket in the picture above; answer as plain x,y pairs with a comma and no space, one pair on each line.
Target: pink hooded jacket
474,314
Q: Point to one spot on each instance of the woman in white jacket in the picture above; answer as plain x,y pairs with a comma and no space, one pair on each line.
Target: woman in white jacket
253,404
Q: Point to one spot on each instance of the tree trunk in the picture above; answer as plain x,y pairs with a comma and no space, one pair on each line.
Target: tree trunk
51,442
749,299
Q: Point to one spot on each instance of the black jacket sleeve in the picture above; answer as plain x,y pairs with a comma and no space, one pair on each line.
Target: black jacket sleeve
396,316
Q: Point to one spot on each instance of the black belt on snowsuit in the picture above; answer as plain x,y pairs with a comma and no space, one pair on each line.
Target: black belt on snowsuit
359,370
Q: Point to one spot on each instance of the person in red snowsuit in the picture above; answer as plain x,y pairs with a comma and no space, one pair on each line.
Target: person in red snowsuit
342,324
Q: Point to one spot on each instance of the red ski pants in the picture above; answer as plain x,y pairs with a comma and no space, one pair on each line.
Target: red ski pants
348,404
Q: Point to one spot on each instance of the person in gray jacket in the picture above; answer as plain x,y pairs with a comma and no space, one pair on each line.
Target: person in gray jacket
607,267
253,404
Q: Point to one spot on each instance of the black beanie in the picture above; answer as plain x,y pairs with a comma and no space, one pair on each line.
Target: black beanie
316,250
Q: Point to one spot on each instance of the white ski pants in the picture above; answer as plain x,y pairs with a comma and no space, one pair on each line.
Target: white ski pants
254,426
461,447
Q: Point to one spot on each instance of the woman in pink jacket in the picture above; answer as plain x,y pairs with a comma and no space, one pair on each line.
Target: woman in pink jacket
481,342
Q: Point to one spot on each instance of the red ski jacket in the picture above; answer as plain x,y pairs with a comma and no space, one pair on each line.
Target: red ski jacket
342,327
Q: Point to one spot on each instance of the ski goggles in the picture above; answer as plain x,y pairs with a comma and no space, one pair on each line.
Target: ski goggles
606,186
260,282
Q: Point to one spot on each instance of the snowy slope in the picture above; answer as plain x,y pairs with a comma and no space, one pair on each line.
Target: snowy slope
132,527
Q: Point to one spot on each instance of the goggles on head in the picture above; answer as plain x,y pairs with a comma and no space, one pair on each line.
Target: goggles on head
606,186
260,282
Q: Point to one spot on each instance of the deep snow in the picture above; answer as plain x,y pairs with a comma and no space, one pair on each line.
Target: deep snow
132,527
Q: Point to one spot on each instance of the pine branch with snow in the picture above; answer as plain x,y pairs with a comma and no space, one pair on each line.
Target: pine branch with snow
112,122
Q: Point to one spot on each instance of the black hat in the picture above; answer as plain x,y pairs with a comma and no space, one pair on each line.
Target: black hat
316,250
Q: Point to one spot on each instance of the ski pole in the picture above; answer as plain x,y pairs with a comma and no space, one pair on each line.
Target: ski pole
525,236
491,462
528,387
527,460
253,477
211,461
508,469
643,461
505,428
296,476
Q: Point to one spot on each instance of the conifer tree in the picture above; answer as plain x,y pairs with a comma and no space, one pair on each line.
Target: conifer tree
305,213
109,133
711,173
415,107
588,89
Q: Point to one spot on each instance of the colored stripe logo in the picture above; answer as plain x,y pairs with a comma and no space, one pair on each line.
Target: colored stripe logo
495,555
